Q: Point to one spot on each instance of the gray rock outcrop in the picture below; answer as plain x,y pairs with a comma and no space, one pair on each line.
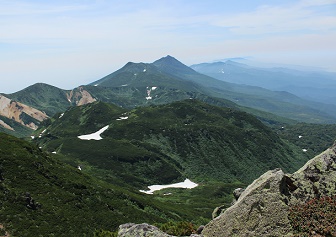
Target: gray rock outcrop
262,209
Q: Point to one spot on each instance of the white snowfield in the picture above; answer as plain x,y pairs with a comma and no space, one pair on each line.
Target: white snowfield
186,184
122,118
94,136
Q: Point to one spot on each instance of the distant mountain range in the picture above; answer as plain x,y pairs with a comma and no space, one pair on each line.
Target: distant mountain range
161,82
311,84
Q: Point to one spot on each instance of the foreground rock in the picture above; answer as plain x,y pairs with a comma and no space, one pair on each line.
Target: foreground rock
262,209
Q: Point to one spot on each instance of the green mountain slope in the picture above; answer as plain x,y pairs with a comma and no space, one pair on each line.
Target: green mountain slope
43,97
187,139
144,75
314,138
15,128
41,196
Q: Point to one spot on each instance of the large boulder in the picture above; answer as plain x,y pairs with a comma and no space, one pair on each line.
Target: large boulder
317,178
260,210
263,208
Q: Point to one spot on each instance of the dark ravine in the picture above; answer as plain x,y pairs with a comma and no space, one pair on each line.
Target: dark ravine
263,208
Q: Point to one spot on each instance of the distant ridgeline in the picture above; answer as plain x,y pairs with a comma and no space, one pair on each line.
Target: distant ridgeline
163,81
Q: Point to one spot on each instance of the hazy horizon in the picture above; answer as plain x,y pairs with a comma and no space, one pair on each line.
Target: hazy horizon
71,43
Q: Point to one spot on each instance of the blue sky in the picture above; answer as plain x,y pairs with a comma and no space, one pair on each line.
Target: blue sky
75,42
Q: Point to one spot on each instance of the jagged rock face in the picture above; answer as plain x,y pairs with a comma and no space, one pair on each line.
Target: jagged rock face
263,208
140,230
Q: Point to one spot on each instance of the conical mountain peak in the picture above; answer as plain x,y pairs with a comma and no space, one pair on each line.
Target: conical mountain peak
171,65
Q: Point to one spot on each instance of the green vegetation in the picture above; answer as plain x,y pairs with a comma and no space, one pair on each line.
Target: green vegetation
43,196
182,228
42,97
184,139
315,138
19,129
315,218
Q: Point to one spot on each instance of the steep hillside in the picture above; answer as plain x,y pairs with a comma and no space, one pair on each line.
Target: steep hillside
29,107
184,139
144,75
14,128
51,99
311,138
41,196
20,113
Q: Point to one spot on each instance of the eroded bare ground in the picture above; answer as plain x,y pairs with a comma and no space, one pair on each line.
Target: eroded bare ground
13,110
80,97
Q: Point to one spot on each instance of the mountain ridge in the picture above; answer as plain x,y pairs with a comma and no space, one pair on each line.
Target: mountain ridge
164,81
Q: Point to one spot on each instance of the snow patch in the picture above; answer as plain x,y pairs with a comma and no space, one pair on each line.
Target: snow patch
78,167
122,118
300,136
61,115
54,152
94,136
42,133
186,184
149,90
